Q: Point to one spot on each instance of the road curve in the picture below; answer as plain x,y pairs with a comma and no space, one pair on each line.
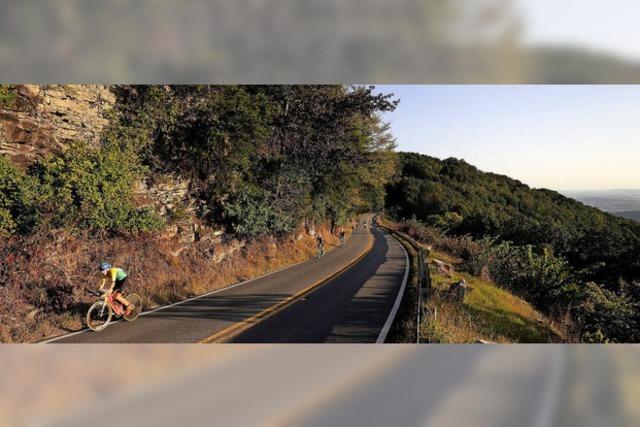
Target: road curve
348,296
352,308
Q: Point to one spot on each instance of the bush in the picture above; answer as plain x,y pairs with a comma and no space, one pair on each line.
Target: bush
250,212
18,200
545,280
603,316
91,188
427,235
538,276
7,96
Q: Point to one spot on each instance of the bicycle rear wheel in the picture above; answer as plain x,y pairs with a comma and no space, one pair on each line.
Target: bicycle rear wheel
137,307
98,316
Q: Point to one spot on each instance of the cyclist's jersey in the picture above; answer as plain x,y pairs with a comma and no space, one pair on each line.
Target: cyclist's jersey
116,273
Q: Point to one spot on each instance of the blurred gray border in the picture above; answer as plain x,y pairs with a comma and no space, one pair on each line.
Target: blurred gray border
286,41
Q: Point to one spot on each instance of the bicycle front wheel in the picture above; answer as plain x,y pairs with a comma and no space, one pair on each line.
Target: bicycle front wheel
137,307
99,316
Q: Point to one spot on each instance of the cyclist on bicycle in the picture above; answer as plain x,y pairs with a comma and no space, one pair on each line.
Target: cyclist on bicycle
341,234
117,277
320,242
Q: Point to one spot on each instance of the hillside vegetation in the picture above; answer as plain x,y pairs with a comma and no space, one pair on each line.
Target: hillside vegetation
259,160
489,313
574,263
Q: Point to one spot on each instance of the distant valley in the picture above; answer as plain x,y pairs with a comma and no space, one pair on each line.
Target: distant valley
623,203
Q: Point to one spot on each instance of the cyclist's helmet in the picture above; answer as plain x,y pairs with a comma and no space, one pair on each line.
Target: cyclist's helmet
104,266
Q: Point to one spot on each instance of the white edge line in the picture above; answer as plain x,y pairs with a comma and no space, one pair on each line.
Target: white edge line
82,331
396,305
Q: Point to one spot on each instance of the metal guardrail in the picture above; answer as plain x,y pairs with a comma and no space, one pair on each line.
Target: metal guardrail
422,286
424,278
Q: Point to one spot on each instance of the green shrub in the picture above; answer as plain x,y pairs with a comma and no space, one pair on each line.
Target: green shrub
264,156
18,198
604,316
250,212
538,276
91,188
7,96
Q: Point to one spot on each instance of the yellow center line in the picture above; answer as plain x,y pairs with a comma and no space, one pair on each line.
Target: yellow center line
238,328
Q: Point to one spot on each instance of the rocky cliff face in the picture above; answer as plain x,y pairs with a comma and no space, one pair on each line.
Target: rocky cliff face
44,118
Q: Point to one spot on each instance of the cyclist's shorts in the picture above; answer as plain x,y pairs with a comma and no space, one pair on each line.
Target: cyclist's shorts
119,286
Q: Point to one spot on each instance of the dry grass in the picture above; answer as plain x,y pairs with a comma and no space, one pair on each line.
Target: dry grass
449,259
44,278
488,313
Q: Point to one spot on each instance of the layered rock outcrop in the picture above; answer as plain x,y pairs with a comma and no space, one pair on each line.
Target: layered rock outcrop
42,119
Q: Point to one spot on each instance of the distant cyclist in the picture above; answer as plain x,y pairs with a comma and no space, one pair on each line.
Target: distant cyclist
320,243
116,278
341,234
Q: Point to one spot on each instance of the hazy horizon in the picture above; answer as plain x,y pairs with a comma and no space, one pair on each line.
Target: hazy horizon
564,138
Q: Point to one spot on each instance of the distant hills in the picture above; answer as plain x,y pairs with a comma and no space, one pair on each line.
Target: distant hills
460,199
622,203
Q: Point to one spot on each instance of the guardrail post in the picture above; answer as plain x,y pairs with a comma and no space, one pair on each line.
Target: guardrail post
421,285
427,275
424,287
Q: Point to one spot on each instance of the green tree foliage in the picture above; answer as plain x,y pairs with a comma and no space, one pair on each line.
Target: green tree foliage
315,152
251,212
18,200
539,276
7,96
604,316
259,158
91,188
458,198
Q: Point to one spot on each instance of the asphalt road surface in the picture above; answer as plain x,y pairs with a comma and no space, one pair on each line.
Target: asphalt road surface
351,308
303,303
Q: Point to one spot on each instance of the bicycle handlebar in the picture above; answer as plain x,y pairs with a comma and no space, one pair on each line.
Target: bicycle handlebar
94,293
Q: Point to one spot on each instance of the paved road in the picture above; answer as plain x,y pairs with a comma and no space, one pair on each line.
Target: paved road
352,307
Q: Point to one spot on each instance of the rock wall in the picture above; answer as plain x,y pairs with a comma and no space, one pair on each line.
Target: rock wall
170,197
44,118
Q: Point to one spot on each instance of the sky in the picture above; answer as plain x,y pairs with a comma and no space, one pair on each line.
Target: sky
609,26
564,138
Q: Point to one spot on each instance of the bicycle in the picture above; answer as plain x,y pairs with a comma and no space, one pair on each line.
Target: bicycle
321,251
101,312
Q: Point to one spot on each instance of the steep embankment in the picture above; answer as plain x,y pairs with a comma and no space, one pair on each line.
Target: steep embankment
47,276
488,313
485,313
